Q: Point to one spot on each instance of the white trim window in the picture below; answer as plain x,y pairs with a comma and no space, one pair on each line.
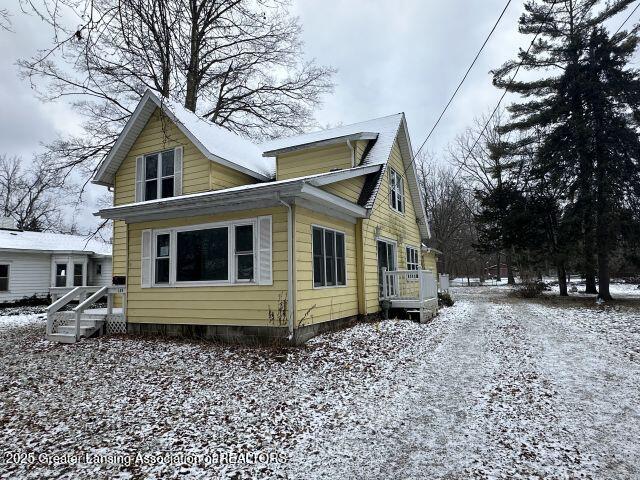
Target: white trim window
212,254
4,277
413,260
61,274
159,175
329,266
396,191
78,274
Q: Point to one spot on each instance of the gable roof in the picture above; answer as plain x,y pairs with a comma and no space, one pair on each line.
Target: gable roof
215,142
17,240
383,130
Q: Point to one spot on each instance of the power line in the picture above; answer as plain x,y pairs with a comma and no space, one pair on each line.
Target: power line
504,10
484,44
506,90
628,18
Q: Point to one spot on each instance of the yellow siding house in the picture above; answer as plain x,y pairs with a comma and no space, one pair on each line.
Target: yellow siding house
218,237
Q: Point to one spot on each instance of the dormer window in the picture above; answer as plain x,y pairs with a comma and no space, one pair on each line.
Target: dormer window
158,175
396,191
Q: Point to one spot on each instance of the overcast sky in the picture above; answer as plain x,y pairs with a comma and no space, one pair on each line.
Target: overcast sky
391,55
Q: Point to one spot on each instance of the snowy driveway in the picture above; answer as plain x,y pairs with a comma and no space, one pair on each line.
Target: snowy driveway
494,387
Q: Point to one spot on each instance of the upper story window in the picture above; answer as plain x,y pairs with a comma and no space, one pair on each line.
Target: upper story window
159,175
396,190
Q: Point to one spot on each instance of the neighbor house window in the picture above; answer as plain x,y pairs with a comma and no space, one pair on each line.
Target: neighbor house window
158,175
98,269
61,274
4,278
396,191
329,268
163,251
78,270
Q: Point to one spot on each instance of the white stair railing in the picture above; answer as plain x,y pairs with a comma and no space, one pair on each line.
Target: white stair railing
77,293
83,306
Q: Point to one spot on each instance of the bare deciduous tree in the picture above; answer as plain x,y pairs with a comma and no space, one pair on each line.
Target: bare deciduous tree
5,19
238,63
34,197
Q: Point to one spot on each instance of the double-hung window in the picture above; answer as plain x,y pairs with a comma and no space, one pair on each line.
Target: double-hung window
159,175
329,267
396,191
61,274
413,262
244,257
4,277
162,263
78,274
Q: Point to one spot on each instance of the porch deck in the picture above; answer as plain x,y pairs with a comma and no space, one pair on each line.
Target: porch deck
411,290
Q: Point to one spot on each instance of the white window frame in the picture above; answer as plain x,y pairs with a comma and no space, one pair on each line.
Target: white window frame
66,275
324,263
98,269
8,290
159,178
396,185
412,266
231,259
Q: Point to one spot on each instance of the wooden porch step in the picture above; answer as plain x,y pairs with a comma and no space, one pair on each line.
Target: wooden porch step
61,338
85,331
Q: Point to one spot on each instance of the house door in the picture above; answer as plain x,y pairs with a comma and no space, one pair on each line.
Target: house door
386,259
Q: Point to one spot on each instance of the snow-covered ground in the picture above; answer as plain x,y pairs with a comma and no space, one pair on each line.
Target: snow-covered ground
494,387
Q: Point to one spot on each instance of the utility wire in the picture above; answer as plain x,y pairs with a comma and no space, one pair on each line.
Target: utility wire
504,94
464,78
627,19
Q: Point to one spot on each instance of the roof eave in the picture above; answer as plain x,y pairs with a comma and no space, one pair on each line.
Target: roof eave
322,143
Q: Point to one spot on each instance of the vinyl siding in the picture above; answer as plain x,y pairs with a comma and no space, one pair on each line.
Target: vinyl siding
348,189
102,280
211,305
429,262
312,161
401,228
29,274
328,303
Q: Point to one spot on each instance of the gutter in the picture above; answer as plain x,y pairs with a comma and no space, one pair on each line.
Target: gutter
290,299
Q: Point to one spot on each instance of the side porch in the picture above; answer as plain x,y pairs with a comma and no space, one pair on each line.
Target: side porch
415,291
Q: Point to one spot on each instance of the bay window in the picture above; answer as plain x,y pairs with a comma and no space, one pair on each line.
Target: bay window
61,274
78,274
329,266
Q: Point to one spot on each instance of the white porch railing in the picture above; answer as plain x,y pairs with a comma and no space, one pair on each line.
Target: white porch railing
411,285
443,283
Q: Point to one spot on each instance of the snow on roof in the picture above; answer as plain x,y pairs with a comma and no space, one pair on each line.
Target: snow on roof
386,128
46,241
221,142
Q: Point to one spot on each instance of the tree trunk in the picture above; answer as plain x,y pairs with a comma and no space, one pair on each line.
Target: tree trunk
562,279
510,279
588,256
193,68
498,278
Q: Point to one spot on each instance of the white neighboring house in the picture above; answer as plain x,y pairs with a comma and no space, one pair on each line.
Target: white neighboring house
40,263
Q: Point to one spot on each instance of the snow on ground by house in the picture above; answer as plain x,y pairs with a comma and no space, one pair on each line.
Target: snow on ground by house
494,387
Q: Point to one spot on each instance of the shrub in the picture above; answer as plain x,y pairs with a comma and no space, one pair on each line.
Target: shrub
531,289
445,300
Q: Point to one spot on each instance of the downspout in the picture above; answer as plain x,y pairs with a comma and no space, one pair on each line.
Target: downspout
353,154
290,299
